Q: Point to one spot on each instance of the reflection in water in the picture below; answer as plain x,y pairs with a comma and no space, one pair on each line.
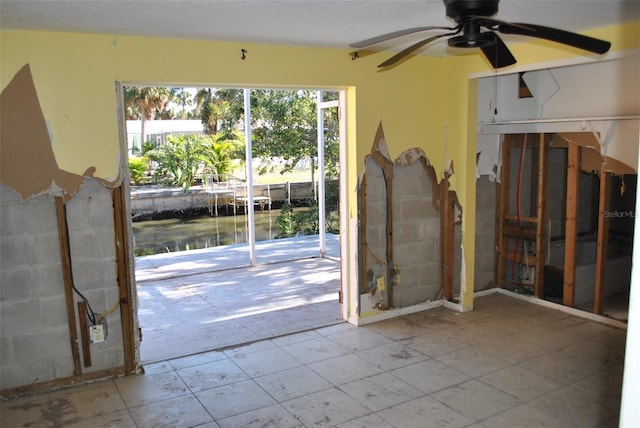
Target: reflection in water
164,236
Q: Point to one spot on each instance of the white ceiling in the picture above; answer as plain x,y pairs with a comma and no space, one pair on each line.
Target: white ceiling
326,23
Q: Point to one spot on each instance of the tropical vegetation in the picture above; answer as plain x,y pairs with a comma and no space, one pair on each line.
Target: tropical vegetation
284,135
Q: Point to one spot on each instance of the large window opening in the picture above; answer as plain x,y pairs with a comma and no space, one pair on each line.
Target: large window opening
235,214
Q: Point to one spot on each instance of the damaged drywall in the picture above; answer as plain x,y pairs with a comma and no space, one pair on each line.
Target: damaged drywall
401,233
28,164
595,105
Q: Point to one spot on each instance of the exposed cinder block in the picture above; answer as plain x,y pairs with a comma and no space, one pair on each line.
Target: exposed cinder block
49,343
485,233
14,374
34,330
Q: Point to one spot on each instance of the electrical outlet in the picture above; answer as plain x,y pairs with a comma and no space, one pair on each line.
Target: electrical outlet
96,333
380,283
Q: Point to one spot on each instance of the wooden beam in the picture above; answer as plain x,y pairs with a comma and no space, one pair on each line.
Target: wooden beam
388,178
571,224
124,277
67,275
362,255
542,226
519,231
84,333
447,229
603,241
502,208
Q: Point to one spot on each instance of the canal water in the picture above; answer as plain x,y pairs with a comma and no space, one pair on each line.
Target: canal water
172,235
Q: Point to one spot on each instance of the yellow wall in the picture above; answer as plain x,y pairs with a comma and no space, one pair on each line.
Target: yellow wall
75,77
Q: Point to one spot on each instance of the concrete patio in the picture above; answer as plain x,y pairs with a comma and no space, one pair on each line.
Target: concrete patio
202,300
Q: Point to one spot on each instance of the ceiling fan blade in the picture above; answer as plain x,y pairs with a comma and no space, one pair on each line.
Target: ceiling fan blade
498,54
395,34
414,47
553,34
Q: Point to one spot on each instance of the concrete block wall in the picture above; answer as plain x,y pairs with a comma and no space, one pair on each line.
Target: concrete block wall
416,232
34,331
416,246
485,251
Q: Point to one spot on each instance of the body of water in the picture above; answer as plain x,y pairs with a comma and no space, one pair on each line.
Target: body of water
172,235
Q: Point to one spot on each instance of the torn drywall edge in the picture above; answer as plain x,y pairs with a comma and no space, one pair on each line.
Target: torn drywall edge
590,141
488,161
379,146
28,165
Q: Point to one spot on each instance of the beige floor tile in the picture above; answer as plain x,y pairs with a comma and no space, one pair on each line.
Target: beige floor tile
391,356
159,367
439,319
292,383
577,407
296,338
430,376
34,411
512,349
274,416
603,385
520,382
397,328
524,416
92,399
325,408
64,407
197,359
476,400
369,421
548,336
234,399
336,329
359,340
346,368
178,412
415,413
614,338
472,335
587,349
435,344
318,349
265,362
145,389
117,419
380,391
473,361
563,367
211,375
510,324
262,345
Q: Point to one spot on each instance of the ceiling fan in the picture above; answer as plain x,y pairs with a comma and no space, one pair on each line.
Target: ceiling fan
476,29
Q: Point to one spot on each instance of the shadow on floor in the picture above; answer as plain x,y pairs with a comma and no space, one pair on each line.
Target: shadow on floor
202,300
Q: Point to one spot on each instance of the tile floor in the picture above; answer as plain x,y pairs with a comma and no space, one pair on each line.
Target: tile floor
508,363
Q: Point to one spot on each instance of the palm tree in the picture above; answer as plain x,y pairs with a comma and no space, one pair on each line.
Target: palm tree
219,151
183,98
148,100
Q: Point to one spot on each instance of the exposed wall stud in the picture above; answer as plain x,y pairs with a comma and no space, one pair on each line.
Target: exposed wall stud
67,275
603,239
571,224
542,227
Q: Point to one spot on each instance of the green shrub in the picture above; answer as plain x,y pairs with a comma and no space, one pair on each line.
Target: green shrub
138,167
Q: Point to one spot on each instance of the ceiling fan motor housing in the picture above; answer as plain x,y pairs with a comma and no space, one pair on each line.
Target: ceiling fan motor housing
458,10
